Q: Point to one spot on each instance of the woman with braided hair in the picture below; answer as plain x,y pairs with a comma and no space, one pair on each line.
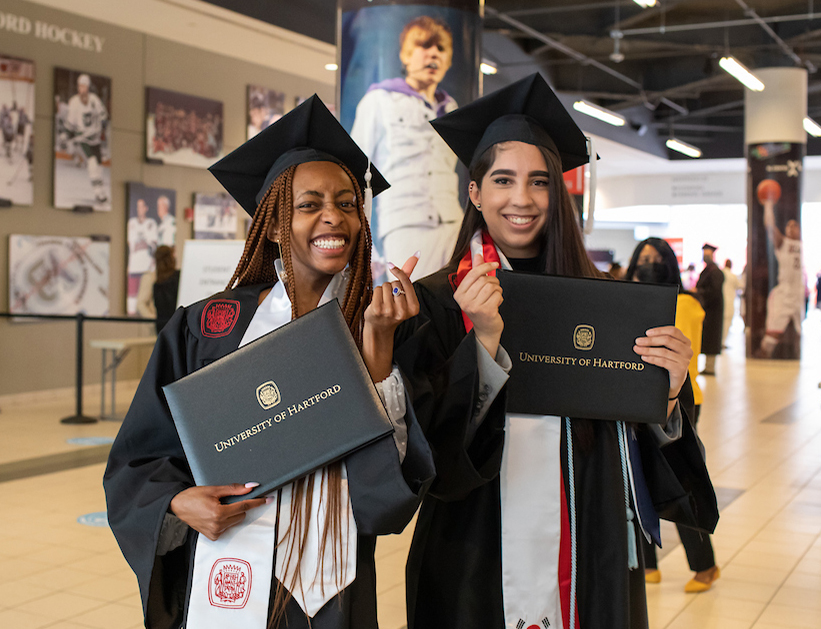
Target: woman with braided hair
309,243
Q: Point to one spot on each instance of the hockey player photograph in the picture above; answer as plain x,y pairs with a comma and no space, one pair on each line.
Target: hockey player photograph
17,130
82,149
151,216
182,129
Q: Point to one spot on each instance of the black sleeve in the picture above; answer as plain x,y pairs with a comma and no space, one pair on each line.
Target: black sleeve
676,474
441,363
384,492
146,469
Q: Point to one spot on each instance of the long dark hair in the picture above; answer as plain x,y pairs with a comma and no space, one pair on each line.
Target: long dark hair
668,257
561,250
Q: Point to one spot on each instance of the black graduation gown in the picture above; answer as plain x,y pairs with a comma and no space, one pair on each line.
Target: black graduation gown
147,467
454,568
711,296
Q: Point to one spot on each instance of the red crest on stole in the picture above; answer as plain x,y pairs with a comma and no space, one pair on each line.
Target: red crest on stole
230,583
219,317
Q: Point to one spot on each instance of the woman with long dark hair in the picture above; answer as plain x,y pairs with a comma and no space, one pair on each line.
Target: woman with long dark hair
655,261
309,243
531,521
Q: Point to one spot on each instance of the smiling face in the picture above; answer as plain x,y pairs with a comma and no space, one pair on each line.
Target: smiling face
325,224
514,197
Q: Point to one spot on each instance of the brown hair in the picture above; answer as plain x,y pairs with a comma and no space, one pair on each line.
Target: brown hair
561,246
561,250
256,266
166,264
429,31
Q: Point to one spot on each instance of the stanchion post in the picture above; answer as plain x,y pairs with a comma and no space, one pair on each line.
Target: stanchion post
78,417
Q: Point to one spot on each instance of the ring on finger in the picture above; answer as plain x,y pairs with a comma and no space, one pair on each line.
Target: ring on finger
396,291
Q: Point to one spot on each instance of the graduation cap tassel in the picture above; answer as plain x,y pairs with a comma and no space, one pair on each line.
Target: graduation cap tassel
591,188
368,193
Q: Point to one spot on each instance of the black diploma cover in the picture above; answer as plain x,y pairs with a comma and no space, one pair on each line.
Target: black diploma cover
286,404
571,344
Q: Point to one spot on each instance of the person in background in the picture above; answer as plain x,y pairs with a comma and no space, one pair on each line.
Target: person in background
729,288
654,261
166,286
709,291
421,210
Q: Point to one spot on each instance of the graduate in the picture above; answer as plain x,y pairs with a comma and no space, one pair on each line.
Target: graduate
310,552
532,521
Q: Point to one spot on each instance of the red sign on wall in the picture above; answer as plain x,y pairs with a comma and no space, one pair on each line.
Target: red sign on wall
677,245
574,180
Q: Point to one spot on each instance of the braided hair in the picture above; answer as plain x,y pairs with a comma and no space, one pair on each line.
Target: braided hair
256,266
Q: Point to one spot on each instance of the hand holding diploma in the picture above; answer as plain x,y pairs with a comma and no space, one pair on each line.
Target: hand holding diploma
668,348
201,509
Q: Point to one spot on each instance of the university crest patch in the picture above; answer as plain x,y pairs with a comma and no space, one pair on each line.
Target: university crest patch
230,583
219,317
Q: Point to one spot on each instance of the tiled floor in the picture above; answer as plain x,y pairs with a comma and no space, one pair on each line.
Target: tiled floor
761,423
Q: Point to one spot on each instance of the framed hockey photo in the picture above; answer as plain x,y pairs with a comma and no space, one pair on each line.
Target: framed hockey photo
17,127
58,275
82,146
215,216
151,223
265,107
182,129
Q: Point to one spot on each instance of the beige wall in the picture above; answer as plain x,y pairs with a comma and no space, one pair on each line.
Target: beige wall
41,355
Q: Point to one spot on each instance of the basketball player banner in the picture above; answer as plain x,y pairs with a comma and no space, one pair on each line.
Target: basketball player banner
17,128
82,147
775,288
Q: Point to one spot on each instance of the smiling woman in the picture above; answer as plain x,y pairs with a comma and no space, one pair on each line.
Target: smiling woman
309,243
545,517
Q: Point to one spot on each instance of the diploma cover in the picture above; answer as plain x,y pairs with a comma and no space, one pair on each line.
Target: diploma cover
571,344
280,407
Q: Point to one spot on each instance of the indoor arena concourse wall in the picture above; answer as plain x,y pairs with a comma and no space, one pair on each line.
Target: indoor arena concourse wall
41,355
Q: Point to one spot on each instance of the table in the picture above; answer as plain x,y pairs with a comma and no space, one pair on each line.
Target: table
114,351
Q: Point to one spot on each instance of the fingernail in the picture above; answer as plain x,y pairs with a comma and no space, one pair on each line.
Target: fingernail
391,265
418,254
269,500
251,485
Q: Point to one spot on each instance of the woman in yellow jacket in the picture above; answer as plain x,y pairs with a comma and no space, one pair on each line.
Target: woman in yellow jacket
654,261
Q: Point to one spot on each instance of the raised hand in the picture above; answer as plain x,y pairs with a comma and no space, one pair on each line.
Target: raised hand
392,303
479,296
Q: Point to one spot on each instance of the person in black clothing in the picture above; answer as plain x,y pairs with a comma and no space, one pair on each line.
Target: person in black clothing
166,285
711,295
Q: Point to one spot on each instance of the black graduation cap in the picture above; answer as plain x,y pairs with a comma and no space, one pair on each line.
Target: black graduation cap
709,247
308,133
526,111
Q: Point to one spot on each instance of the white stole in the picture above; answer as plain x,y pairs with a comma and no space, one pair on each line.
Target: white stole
232,577
531,500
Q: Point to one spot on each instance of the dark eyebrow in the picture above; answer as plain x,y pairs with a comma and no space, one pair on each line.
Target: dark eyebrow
315,193
511,173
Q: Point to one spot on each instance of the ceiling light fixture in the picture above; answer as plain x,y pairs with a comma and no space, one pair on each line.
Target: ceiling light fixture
487,67
645,4
332,67
812,127
605,115
682,147
734,67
